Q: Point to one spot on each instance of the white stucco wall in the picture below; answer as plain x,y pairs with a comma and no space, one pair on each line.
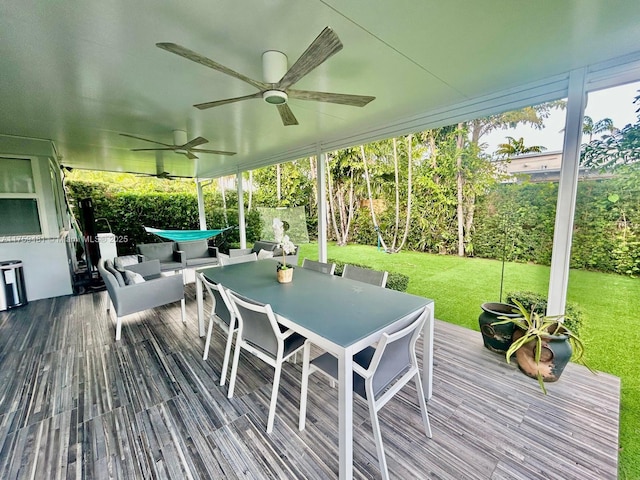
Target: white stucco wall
46,267
45,259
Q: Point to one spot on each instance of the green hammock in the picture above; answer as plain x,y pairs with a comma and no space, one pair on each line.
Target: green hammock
186,235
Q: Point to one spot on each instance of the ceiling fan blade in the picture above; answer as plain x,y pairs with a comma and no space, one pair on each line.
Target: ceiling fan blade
287,116
188,154
151,149
144,139
341,98
217,152
194,143
207,62
323,47
217,103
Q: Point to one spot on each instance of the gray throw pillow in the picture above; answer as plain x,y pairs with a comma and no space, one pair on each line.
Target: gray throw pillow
132,278
108,266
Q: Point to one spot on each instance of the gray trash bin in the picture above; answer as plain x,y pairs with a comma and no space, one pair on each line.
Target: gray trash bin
12,290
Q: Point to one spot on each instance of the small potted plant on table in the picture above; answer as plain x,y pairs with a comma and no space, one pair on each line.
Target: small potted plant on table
284,271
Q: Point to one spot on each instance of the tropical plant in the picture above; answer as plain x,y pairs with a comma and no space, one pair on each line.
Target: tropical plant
515,147
536,327
621,147
591,128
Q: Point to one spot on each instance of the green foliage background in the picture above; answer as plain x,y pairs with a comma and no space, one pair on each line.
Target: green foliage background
519,220
127,212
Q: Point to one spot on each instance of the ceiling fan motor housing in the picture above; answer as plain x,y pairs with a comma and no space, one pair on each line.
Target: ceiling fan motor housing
179,137
274,66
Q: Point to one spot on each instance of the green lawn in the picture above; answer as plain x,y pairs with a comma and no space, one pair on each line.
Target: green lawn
611,304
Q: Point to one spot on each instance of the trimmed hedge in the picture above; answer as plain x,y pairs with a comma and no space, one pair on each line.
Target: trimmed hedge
574,317
395,281
127,212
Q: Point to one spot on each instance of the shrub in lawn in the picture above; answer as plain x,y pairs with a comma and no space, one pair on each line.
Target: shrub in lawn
395,281
573,314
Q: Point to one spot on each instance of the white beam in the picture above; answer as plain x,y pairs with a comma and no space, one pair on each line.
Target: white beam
201,216
566,204
243,228
322,205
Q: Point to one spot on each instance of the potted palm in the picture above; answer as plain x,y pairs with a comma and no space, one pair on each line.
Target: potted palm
542,344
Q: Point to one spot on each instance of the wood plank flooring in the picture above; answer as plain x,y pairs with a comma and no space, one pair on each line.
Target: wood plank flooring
76,404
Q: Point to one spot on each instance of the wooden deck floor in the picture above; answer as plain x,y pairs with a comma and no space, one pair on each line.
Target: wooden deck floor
76,404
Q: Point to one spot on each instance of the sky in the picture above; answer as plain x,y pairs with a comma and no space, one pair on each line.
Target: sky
614,103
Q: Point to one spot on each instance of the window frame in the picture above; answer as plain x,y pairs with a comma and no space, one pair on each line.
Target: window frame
37,195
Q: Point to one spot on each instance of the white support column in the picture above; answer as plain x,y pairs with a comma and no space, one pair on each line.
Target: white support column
201,216
322,205
566,205
243,228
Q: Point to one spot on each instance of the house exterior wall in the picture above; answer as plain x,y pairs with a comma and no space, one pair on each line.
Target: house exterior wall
44,257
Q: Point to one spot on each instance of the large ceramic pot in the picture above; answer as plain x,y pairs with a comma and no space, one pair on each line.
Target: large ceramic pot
554,356
497,338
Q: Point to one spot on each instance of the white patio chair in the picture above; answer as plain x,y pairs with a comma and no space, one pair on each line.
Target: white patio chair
259,333
222,315
321,267
224,260
379,373
366,275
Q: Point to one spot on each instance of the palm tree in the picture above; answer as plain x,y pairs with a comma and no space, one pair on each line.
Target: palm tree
591,128
515,147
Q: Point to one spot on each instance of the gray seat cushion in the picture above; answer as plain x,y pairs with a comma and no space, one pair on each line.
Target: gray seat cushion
193,262
170,266
196,249
157,251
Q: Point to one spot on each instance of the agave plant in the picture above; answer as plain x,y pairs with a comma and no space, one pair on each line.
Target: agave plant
537,327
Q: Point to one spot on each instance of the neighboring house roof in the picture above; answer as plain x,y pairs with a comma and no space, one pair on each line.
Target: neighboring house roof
541,167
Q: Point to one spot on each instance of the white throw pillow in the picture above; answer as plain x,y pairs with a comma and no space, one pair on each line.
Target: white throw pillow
125,260
262,254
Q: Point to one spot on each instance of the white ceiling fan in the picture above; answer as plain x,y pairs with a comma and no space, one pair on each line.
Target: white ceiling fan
180,145
276,86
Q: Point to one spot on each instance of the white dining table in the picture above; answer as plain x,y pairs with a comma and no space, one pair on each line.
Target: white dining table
339,315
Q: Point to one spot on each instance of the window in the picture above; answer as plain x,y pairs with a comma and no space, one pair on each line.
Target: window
19,212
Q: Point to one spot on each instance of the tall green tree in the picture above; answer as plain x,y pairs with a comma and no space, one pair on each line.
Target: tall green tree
591,128
621,147
343,171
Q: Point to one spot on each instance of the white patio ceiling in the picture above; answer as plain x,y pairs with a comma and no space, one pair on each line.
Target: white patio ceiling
81,72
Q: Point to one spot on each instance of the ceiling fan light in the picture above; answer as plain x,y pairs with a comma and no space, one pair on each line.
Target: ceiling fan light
275,97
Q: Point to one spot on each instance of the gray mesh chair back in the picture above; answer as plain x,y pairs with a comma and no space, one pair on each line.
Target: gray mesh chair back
222,315
260,333
258,328
321,267
252,257
366,275
379,373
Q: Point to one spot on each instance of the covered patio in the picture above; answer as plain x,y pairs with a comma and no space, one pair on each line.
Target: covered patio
77,403
80,79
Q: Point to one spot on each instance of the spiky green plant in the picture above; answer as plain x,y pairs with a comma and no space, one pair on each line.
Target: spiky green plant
536,327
